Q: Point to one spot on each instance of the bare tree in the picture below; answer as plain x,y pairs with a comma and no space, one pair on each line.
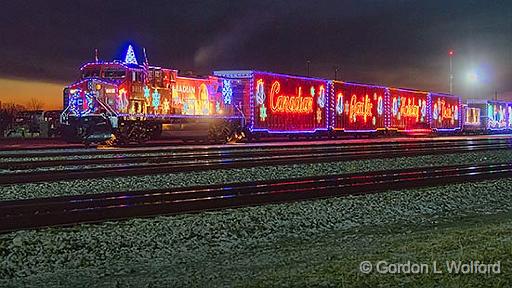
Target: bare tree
12,108
7,116
34,104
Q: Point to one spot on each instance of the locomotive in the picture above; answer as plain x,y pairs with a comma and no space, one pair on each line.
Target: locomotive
130,102
126,102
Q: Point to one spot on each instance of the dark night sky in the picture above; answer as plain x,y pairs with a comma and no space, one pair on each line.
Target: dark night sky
399,43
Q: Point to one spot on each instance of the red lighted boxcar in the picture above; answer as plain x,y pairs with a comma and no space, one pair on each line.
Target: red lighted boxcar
282,103
409,111
445,112
359,107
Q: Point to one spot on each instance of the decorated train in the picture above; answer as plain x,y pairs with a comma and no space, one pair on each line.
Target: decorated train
125,102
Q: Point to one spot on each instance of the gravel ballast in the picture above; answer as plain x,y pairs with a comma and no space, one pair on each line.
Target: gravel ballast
304,243
132,183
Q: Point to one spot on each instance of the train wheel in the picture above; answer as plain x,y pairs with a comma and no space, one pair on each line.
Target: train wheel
132,133
219,132
139,133
145,134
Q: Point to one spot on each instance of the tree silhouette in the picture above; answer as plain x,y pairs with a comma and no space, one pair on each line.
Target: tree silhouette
34,104
8,115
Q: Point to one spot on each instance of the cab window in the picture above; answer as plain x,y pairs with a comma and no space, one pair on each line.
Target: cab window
89,73
111,73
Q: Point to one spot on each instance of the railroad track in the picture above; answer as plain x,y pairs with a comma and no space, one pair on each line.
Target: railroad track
232,153
42,153
200,161
70,210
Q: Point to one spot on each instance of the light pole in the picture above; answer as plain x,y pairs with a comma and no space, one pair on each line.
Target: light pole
450,55
307,63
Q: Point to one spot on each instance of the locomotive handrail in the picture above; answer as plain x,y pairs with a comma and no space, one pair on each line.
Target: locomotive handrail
64,115
107,107
241,113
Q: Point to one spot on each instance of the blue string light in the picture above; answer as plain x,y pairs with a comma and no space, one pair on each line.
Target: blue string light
339,104
146,92
321,97
76,103
227,91
156,99
380,106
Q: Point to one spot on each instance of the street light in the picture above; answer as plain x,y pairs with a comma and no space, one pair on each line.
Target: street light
472,77
474,81
450,55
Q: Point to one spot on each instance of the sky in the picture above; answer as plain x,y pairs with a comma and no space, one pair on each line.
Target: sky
391,42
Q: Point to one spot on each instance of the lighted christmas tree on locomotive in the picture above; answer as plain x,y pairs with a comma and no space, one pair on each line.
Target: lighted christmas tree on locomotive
131,102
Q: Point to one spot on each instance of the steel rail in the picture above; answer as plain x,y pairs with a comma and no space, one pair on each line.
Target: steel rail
228,148
228,163
208,155
70,210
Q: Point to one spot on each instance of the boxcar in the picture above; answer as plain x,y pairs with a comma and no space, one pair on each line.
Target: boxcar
358,107
409,110
278,103
487,116
446,111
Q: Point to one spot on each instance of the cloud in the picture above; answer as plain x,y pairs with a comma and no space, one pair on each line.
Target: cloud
228,41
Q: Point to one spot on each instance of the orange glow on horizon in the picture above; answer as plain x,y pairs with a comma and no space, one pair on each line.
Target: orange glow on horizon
22,91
